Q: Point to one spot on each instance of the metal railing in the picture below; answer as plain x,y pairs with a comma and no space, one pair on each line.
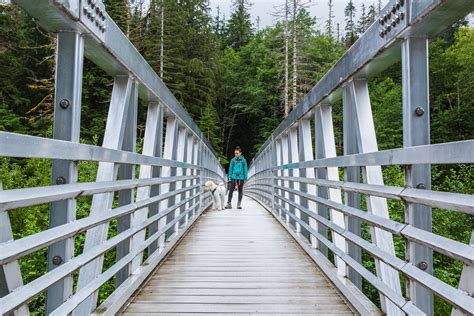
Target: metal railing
296,173
153,209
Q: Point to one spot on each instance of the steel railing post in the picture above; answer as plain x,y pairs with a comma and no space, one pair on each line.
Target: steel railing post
351,174
67,120
107,171
416,131
127,171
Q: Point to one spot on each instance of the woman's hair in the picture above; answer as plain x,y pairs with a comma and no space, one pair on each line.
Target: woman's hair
238,148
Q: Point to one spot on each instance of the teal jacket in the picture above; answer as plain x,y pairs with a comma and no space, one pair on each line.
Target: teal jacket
238,168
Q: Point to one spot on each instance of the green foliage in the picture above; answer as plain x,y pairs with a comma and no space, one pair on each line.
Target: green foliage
238,31
229,78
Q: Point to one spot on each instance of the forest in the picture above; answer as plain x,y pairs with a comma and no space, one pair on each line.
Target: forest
237,81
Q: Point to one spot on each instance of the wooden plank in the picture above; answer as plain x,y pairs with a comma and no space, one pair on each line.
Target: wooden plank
323,299
238,262
220,314
236,308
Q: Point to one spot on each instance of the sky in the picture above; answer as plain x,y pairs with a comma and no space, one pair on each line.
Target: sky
266,8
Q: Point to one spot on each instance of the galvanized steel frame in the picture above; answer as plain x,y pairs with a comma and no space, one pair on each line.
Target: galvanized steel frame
406,41
169,189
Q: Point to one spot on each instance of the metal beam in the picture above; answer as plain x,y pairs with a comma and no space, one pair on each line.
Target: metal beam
416,131
67,125
113,138
351,174
328,146
127,171
358,91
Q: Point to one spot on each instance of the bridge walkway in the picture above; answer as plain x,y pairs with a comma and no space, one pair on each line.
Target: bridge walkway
238,262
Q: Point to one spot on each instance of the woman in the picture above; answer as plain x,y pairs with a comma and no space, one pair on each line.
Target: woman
237,176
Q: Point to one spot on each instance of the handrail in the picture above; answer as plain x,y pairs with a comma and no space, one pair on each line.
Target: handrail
154,209
295,174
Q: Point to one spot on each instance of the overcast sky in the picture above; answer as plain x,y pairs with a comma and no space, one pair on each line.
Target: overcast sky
265,8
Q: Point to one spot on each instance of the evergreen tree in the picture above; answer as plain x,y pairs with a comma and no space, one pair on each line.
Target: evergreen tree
329,21
119,11
239,27
351,32
362,23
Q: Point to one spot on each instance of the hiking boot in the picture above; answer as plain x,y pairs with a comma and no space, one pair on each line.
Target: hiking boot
239,206
228,206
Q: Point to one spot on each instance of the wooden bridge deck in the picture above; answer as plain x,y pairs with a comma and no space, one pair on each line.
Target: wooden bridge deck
238,262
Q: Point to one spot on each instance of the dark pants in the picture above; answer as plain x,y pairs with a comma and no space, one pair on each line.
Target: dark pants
240,187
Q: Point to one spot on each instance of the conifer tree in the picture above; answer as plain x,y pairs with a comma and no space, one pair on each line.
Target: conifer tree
329,21
239,27
351,32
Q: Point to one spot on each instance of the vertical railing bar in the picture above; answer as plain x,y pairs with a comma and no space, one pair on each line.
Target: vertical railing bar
168,153
367,142
293,157
107,171
416,131
329,150
156,171
151,138
10,273
306,154
127,171
180,156
321,173
351,174
67,122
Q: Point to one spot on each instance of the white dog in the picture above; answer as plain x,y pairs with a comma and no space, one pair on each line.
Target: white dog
218,194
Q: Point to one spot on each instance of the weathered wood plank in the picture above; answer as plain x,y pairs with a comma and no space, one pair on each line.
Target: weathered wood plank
238,262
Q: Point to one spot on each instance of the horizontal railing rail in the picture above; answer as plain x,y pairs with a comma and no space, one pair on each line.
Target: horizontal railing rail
322,198
140,204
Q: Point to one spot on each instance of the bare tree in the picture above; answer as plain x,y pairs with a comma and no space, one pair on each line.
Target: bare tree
162,46
295,55
285,92
329,21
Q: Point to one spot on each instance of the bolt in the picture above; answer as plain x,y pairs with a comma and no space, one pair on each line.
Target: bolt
385,18
389,28
398,5
60,180
402,2
64,103
57,260
402,15
419,111
422,265
421,186
381,21
394,9
394,22
381,34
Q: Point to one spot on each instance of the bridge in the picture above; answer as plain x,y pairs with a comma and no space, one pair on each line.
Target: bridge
296,247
